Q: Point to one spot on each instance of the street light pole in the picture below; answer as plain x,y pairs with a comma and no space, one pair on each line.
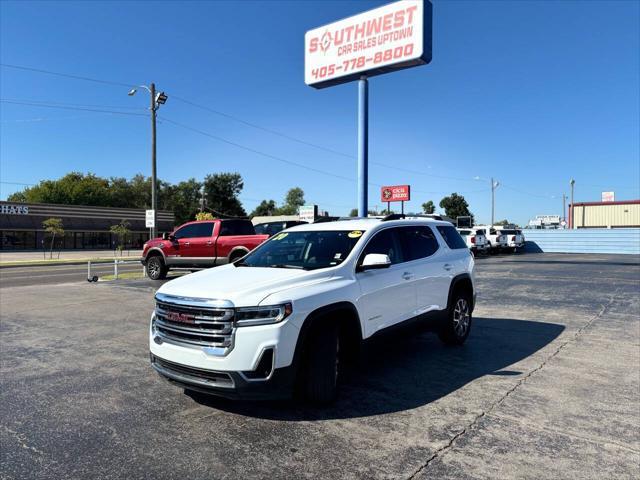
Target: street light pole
494,185
156,101
154,180
564,208
571,208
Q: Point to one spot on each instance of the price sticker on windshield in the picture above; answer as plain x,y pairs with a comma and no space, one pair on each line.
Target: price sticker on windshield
355,234
280,236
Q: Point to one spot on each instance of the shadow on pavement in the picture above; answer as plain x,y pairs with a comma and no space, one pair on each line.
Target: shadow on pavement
409,369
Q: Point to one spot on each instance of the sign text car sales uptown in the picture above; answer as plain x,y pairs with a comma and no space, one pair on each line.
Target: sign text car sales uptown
391,37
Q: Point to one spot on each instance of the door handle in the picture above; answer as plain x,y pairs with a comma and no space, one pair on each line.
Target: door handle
209,242
407,275
448,266
186,244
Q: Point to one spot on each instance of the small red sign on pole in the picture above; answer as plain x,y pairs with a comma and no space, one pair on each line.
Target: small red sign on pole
395,193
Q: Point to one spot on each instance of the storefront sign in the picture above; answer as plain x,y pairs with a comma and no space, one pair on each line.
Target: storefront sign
14,209
395,193
307,213
608,196
382,40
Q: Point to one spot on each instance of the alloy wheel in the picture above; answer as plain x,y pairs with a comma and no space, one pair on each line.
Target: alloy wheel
461,317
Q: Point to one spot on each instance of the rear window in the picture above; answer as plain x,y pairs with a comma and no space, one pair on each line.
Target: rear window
236,227
451,237
465,232
480,231
508,232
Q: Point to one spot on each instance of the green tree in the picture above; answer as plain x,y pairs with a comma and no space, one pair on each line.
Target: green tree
182,199
53,226
221,192
292,202
503,222
73,189
121,231
429,207
353,212
204,216
455,206
266,208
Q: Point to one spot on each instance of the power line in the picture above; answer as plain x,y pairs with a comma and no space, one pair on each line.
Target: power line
31,104
264,129
82,105
275,157
67,75
253,150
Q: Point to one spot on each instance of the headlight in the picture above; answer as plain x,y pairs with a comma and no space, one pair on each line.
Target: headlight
250,316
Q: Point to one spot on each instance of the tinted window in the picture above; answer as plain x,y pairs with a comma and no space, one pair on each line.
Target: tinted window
417,242
195,230
465,232
385,242
452,237
480,231
303,250
508,232
236,227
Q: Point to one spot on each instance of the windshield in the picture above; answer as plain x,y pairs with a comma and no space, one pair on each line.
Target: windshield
303,250
480,232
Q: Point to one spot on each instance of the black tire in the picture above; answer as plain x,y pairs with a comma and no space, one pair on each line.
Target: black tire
236,256
458,325
155,268
321,373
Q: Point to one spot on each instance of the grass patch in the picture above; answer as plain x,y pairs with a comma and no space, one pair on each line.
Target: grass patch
123,276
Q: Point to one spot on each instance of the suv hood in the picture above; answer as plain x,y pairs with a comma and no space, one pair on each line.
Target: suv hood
244,286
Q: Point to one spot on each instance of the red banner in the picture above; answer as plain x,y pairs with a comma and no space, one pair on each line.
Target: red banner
395,193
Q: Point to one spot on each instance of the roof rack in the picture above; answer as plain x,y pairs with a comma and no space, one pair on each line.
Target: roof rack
394,216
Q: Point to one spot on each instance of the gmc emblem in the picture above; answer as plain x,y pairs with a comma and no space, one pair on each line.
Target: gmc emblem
181,317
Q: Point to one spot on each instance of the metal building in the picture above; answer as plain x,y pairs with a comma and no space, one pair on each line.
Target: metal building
622,214
85,227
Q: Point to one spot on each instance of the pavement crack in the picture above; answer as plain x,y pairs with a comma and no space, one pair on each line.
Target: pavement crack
20,437
442,450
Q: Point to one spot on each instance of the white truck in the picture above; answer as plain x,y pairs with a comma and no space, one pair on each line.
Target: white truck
476,241
292,314
514,238
495,239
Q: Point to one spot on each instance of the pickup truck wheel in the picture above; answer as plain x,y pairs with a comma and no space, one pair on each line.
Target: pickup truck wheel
321,379
458,325
156,269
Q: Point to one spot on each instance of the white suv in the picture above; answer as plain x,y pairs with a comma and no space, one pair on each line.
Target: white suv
292,313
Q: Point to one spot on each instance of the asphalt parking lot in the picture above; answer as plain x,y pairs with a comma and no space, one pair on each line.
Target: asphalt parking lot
547,386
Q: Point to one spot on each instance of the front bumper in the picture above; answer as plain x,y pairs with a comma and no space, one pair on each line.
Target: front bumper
233,385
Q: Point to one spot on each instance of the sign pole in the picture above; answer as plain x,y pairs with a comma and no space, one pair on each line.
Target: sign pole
363,146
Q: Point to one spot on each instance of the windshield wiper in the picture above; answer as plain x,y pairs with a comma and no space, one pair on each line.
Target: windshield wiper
241,264
283,265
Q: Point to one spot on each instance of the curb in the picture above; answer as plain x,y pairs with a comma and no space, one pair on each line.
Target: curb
66,262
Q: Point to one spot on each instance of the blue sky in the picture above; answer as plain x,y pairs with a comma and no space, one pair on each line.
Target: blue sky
531,93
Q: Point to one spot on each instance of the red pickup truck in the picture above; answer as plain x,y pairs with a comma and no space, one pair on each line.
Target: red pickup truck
204,243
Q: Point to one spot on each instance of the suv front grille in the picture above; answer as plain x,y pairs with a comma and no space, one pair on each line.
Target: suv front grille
195,326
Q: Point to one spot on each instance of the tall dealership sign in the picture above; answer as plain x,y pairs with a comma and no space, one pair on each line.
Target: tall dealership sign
382,40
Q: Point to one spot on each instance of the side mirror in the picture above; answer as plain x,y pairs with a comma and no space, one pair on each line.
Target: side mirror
374,261
165,236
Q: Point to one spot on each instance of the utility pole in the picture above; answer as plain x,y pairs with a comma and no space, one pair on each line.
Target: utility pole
494,185
571,209
564,208
154,181
156,101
